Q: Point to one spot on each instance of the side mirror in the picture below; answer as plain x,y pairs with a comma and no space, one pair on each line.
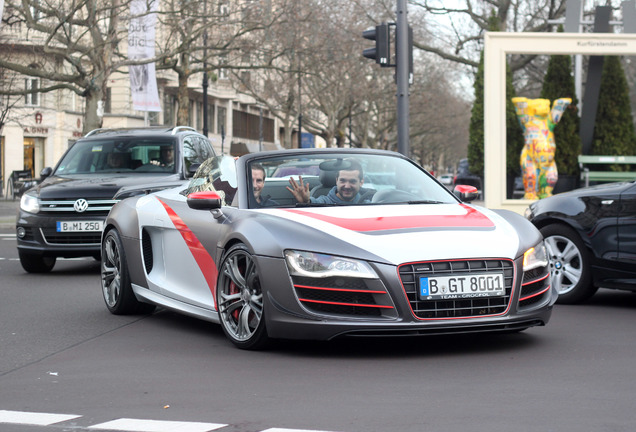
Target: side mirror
46,172
207,200
466,193
192,169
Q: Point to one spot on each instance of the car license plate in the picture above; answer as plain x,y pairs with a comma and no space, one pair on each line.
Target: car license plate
462,286
80,226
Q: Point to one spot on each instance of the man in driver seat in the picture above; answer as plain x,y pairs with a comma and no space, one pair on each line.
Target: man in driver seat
346,191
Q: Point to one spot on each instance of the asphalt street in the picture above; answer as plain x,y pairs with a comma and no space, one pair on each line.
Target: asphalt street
8,212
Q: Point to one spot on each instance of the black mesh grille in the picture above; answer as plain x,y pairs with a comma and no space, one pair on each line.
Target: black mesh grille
344,296
534,288
146,245
410,275
51,236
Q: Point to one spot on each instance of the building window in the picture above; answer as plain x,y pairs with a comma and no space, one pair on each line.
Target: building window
30,84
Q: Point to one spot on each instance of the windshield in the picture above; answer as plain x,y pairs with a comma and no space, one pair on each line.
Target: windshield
340,179
119,155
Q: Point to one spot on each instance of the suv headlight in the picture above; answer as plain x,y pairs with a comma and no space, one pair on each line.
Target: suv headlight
30,203
310,264
535,257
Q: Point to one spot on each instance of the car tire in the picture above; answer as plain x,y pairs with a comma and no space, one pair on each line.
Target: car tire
569,264
116,288
33,263
240,300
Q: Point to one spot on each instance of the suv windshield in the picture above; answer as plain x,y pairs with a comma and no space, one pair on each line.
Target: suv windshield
119,155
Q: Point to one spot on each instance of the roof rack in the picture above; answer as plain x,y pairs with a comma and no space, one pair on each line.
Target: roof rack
96,131
177,128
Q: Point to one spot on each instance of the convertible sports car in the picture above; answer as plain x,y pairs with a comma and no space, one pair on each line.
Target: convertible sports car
373,245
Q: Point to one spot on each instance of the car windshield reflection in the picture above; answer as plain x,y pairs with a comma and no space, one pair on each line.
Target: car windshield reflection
335,179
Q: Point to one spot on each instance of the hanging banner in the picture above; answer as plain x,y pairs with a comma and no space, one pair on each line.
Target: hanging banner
141,45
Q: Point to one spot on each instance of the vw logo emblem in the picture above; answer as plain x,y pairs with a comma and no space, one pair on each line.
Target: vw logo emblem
80,205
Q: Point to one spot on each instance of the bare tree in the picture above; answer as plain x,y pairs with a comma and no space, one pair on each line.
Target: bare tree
212,35
73,45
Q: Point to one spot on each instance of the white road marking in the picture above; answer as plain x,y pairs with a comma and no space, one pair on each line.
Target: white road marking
138,425
122,424
33,418
290,430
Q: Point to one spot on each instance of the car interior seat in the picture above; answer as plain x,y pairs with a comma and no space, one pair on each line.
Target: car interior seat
327,181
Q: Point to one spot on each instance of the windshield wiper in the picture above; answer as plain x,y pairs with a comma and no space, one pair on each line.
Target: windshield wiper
425,202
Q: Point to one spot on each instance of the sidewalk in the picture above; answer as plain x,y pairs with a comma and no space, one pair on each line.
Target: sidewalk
8,212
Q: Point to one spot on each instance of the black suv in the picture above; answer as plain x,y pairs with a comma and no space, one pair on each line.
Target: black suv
63,216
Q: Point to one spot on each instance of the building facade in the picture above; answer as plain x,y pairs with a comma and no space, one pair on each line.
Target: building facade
39,127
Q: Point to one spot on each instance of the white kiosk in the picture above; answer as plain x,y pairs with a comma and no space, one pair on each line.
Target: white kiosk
497,46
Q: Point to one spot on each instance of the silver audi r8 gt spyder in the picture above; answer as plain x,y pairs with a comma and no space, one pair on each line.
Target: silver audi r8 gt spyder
365,243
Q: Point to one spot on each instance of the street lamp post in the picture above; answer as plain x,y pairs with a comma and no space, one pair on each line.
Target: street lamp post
205,69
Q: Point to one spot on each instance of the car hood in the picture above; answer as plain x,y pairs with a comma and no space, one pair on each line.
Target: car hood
92,186
407,233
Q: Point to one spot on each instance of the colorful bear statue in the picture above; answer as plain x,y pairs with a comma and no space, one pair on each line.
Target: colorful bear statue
538,167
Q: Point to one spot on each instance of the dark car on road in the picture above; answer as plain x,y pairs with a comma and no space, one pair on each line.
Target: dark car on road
590,234
63,216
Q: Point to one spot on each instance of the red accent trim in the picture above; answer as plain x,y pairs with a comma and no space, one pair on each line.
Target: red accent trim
346,304
471,219
536,280
535,294
201,256
340,289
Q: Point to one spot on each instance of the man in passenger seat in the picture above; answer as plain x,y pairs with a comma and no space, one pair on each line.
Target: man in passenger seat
346,191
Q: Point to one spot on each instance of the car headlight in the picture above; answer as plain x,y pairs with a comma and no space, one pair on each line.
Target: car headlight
310,264
535,257
29,203
529,213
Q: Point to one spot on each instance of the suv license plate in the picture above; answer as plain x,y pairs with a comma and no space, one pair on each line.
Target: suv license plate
464,286
80,226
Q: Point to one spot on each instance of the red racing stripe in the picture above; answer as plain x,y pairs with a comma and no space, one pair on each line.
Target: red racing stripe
201,256
471,219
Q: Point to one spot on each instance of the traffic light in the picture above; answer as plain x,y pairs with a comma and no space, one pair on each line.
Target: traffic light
382,51
410,52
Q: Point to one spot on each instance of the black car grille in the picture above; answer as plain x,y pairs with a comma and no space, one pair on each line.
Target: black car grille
349,297
410,275
95,207
51,236
146,246
535,287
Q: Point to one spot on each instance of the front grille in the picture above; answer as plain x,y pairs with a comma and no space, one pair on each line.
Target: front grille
410,275
349,297
66,207
51,236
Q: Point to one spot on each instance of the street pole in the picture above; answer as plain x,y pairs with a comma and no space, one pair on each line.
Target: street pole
300,106
402,75
205,69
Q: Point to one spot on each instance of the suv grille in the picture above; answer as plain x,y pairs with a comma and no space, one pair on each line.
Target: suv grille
51,236
66,207
410,275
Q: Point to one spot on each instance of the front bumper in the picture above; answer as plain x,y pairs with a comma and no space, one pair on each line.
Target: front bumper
289,318
40,236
